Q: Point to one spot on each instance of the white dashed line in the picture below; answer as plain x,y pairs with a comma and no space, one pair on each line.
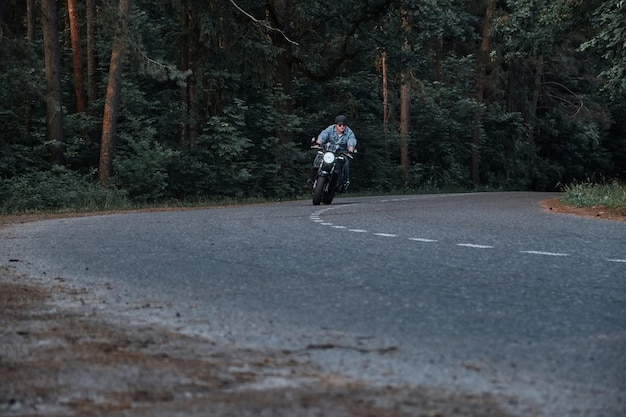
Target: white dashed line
316,217
536,252
471,245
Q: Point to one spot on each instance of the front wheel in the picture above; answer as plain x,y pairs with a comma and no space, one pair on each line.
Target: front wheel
328,197
318,191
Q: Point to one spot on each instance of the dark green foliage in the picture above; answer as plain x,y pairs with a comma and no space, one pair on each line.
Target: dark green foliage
22,109
576,145
223,148
615,140
609,29
441,146
142,169
249,95
506,150
374,166
56,189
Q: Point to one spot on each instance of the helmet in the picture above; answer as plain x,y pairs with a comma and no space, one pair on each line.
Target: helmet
341,119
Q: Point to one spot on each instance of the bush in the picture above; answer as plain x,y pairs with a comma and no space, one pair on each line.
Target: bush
142,170
611,194
58,189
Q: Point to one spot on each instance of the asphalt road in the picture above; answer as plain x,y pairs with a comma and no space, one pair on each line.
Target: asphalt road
473,292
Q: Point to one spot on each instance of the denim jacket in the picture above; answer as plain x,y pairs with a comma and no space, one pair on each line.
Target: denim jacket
346,140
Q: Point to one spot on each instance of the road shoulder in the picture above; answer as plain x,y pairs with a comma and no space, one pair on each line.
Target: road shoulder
65,353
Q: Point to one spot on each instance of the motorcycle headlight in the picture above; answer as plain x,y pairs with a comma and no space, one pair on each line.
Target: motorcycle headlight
329,157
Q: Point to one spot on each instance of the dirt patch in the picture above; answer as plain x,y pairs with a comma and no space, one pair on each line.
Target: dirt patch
554,205
60,356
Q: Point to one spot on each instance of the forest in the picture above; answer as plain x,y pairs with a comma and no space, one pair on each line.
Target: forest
179,100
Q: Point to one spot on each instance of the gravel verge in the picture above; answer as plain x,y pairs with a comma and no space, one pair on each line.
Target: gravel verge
66,353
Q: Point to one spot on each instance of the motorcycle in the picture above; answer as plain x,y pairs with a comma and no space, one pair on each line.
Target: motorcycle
329,162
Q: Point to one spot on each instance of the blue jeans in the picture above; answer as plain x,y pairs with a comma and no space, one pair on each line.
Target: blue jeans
346,171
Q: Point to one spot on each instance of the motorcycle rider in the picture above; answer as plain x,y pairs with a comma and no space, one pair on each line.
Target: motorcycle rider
341,135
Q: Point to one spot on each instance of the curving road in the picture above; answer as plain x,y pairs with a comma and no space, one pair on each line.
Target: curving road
474,292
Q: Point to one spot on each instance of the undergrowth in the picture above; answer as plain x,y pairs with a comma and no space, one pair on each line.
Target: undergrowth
591,194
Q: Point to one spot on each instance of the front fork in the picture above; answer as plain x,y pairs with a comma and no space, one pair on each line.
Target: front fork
316,173
336,170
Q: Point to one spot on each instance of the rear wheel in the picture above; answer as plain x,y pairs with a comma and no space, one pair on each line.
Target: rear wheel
319,190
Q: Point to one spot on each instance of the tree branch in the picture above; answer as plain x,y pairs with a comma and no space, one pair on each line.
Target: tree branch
581,104
263,23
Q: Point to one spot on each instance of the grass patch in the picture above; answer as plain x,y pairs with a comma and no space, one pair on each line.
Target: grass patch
610,195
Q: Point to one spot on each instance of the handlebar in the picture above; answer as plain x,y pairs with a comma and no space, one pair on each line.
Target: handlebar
346,153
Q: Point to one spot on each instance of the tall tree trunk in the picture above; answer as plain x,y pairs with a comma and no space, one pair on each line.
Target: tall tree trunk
284,63
437,46
189,125
531,116
113,93
383,64
52,60
405,123
2,3
481,79
186,129
30,20
285,78
405,106
77,56
92,93
532,113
